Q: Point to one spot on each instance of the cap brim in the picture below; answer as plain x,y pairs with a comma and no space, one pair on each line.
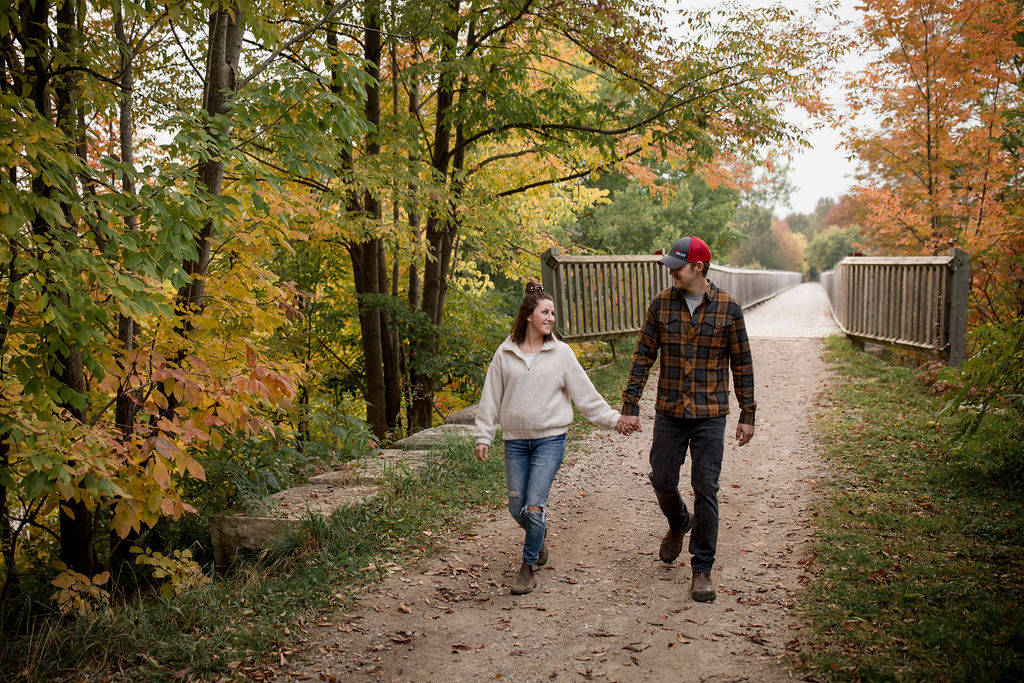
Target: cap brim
672,262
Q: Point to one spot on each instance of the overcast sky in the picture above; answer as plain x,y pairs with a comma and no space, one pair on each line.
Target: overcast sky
821,170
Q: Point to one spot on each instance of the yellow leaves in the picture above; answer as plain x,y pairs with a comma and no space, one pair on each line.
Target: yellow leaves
195,469
159,473
177,572
78,593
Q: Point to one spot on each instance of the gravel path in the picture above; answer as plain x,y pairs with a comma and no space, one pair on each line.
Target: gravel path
605,606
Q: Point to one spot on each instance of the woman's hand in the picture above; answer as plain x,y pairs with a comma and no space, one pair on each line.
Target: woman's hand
628,424
481,451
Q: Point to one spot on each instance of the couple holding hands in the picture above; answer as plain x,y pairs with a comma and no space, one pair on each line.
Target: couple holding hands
534,378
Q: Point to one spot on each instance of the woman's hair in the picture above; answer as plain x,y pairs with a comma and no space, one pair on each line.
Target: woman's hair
534,295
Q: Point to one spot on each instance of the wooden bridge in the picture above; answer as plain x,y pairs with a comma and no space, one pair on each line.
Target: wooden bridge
606,297
913,302
916,302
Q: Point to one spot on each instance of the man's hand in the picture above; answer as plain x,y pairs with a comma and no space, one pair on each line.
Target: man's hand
481,451
628,424
744,433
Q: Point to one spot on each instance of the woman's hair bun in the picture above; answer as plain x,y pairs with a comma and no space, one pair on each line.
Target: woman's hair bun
534,288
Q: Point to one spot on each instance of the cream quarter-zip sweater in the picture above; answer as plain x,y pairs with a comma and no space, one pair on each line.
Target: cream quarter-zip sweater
534,402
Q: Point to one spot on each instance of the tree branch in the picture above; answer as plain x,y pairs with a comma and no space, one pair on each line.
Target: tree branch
571,176
262,66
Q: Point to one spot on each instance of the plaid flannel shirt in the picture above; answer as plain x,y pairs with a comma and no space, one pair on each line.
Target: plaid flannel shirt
696,352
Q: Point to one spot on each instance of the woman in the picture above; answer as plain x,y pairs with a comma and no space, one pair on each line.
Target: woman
528,388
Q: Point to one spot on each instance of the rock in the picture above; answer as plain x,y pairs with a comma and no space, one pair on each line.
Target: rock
435,435
351,483
366,470
232,533
466,416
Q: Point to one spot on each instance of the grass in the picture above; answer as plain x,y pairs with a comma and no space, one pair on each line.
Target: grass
249,618
919,565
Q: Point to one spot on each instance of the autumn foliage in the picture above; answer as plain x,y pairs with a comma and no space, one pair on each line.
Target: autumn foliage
937,172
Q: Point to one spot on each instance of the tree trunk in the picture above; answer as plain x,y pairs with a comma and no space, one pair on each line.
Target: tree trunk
439,230
364,273
74,517
368,260
226,27
7,539
125,408
392,377
415,283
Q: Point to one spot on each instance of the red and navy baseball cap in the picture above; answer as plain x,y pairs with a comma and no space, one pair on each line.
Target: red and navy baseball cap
686,250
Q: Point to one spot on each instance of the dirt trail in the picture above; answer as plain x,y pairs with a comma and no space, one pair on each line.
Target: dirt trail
605,606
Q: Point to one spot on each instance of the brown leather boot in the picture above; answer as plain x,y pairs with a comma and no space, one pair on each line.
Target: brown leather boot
672,543
702,590
542,556
525,581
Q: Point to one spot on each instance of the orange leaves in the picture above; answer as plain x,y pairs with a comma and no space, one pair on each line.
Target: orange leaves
936,172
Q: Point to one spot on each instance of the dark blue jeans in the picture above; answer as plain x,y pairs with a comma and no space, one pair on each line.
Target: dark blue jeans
530,468
705,439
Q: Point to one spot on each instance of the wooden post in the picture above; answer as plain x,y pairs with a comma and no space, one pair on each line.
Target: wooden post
549,280
959,298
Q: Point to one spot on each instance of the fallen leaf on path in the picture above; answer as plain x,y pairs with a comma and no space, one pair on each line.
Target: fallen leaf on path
463,647
635,647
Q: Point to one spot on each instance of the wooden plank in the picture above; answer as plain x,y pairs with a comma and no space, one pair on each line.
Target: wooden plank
959,302
897,260
589,327
577,296
930,305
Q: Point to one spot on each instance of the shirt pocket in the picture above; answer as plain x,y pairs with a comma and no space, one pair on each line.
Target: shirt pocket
672,334
672,327
715,334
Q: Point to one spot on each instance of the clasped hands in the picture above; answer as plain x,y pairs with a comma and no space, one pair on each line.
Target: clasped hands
628,424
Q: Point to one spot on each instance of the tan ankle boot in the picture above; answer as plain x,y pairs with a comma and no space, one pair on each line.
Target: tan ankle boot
525,581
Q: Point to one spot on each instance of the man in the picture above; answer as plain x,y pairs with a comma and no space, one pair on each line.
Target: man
700,332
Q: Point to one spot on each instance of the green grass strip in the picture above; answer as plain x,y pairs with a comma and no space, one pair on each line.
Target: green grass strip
244,618
919,564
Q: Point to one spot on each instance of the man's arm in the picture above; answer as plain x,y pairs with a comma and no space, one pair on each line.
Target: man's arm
643,359
742,364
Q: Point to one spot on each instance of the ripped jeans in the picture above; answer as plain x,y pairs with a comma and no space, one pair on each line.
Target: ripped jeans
530,468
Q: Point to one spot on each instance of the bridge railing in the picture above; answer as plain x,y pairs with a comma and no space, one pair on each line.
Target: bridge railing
606,297
917,302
